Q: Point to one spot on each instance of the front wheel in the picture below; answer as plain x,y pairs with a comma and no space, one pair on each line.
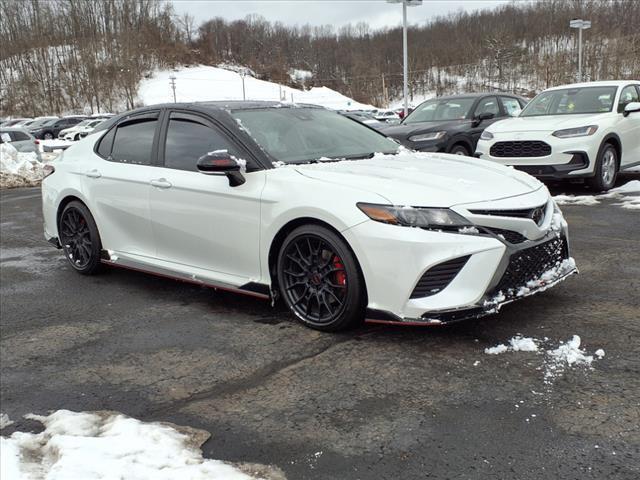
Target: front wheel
606,170
80,239
460,150
48,136
320,280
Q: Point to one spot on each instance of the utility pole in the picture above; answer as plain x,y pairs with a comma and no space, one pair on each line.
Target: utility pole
580,25
244,94
172,79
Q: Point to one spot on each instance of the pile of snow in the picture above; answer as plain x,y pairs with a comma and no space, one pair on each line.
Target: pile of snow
18,169
556,360
102,445
299,75
204,83
4,421
619,193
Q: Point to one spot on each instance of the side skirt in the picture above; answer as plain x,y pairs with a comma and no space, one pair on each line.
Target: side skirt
251,289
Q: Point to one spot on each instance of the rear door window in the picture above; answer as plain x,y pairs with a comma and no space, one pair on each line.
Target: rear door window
133,141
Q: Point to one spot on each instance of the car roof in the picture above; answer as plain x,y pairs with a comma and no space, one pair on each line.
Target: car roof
601,83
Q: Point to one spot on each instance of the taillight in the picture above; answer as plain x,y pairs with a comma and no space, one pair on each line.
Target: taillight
48,169
37,142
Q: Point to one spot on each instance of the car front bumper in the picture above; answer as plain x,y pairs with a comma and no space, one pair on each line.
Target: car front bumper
394,260
569,157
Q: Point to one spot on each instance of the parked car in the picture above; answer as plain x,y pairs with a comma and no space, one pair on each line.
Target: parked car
453,124
20,139
23,123
13,122
587,132
50,130
365,118
80,130
300,203
388,116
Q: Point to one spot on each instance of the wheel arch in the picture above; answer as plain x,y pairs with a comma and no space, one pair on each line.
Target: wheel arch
66,200
461,140
278,240
613,139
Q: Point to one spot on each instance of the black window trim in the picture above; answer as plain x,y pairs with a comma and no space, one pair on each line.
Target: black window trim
253,164
134,117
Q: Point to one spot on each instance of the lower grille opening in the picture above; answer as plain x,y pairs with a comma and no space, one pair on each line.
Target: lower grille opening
438,277
529,264
524,148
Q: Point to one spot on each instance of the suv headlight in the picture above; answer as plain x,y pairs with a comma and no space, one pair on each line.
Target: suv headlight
423,137
576,132
422,217
486,135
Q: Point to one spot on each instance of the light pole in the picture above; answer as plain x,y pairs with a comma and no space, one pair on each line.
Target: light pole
172,80
580,25
405,55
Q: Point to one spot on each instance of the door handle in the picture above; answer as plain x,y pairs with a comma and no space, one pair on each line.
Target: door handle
93,173
161,183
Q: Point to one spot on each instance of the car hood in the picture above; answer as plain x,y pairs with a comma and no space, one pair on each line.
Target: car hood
408,129
544,123
425,179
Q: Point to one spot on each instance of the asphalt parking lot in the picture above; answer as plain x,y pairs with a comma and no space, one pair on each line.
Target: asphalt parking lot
375,403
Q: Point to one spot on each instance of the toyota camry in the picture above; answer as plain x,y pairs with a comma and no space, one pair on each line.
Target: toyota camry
298,203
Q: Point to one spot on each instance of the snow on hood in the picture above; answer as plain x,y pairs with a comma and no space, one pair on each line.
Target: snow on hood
544,123
426,179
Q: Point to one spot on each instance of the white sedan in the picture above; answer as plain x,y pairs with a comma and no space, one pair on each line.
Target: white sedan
300,203
80,130
582,132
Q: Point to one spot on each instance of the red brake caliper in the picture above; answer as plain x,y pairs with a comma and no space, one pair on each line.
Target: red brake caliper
341,276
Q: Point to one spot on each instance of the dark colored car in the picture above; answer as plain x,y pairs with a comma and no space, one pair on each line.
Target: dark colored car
453,124
50,129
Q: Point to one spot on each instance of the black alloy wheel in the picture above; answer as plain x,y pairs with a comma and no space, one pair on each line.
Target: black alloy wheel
320,280
79,238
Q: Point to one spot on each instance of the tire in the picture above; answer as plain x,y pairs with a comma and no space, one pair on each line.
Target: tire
320,280
76,137
606,169
80,240
47,136
460,149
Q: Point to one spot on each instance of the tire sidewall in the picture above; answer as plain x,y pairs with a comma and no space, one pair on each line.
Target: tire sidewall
96,244
353,312
460,148
597,182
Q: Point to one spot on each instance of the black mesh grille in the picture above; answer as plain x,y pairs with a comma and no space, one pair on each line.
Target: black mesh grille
520,213
525,148
529,264
509,235
438,277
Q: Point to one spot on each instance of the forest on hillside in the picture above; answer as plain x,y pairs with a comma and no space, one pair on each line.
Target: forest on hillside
65,55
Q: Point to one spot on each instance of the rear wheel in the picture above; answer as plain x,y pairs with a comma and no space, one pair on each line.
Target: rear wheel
80,239
606,170
460,150
48,136
320,280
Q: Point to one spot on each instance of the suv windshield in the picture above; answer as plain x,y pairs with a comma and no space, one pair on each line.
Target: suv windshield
571,101
441,110
302,135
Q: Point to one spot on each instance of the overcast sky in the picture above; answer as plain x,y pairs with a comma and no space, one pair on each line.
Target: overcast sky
378,13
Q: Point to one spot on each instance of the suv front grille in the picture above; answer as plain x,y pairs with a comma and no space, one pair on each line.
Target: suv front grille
529,264
438,277
524,148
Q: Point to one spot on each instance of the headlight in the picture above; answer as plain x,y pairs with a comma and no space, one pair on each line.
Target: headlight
423,137
421,217
486,135
576,132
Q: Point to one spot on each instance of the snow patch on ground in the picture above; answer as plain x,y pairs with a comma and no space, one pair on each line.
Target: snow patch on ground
576,200
103,445
555,360
4,421
19,169
618,193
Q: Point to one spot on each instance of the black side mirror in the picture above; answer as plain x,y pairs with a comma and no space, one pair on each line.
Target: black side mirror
221,162
482,117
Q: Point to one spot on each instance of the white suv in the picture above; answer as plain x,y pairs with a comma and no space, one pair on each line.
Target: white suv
586,131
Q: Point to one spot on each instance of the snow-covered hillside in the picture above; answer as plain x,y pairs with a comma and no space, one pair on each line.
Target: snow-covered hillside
203,83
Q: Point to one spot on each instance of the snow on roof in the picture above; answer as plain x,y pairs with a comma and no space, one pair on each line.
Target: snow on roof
601,83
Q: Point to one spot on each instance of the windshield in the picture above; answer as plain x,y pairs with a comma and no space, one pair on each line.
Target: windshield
302,135
42,121
571,101
441,110
83,123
